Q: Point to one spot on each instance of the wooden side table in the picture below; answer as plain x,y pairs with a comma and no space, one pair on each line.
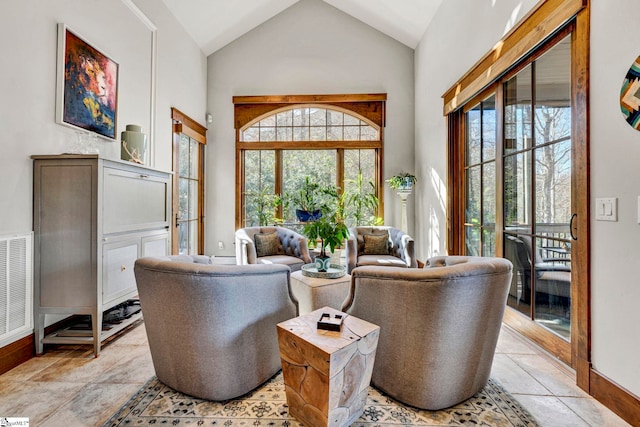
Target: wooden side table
313,293
326,373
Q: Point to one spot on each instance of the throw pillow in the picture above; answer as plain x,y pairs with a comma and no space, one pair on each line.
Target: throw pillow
267,243
376,244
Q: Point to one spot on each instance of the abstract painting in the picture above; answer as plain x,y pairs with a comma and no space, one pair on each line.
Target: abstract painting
630,95
87,92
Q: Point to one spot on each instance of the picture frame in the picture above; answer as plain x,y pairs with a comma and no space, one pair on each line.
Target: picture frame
87,85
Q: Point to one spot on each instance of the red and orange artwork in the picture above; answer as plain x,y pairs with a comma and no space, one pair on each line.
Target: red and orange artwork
90,87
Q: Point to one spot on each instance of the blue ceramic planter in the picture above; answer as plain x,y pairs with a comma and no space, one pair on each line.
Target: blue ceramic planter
305,216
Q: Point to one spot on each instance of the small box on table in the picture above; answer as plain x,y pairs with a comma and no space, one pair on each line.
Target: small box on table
327,373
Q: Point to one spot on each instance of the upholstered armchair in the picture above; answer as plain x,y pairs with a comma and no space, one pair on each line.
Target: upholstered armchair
385,246
439,326
212,328
271,245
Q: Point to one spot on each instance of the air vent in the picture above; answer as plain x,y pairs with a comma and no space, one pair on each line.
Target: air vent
16,287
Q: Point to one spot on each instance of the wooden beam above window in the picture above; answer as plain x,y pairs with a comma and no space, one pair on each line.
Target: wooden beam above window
308,99
541,22
249,108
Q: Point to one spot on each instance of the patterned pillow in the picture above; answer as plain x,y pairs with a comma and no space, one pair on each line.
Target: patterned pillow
376,244
267,244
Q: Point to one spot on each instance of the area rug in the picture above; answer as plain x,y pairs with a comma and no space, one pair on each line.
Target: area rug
155,404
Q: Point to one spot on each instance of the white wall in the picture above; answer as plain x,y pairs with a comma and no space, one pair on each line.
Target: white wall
181,77
615,156
445,54
28,40
310,48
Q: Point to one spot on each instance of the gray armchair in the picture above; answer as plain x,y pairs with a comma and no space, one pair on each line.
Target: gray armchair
284,247
398,252
439,326
212,328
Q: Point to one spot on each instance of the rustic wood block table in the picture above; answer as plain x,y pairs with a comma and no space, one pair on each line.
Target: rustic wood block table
327,373
313,293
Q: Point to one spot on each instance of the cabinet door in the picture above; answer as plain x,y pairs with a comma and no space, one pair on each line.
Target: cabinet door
156,245
134,201
118,280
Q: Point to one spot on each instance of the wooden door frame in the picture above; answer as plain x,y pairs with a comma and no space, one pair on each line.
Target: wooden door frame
184,124
538,25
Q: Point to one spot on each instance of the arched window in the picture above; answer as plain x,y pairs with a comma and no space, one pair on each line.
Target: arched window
282,141
310,123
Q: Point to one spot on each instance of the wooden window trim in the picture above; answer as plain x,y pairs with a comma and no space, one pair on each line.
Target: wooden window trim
247,109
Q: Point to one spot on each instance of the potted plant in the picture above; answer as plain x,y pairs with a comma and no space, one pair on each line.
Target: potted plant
329,228
307,200
402,181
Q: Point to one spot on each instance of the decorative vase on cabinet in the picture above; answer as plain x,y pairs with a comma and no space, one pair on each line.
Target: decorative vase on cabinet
92,219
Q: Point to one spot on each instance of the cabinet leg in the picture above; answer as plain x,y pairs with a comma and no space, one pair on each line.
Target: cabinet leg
96,320
39,333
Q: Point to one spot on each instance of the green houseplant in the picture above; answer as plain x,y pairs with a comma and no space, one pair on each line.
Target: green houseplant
329,228
402,181
307,200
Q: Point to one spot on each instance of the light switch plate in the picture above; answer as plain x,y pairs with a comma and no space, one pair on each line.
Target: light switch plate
607,209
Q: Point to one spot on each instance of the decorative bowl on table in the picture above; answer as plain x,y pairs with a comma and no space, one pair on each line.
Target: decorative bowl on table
335,271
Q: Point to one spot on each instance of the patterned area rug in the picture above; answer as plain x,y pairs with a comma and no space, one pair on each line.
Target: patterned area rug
156,404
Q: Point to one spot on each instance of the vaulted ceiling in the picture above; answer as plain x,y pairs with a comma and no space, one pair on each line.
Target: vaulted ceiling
216,23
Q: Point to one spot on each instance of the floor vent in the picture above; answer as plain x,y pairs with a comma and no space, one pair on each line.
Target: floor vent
16,287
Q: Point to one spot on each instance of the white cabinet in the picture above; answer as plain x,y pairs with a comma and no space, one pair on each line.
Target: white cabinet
92,219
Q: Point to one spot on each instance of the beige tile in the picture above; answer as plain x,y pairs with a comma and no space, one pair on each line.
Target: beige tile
135,366
82,410
509,342
136,335
594,412
514,378
550,411
30,369
36,401
133,335
83,368
549,375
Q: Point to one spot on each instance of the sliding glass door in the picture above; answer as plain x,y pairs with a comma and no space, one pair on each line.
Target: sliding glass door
516,163
537,187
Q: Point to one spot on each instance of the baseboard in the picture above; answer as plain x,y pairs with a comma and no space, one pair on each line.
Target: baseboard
614,397
16,353
20,351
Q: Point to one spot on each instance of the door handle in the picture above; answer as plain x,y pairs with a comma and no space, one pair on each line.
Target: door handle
572,227
177,220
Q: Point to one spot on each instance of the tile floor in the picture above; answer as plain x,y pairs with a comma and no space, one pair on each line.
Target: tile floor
68,387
